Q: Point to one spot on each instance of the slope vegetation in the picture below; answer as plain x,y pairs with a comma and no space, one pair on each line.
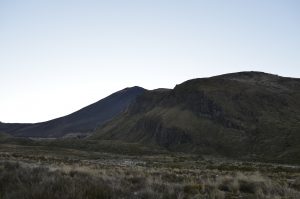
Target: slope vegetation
247,115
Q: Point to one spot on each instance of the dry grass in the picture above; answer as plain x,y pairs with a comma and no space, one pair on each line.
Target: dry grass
41,173
72,181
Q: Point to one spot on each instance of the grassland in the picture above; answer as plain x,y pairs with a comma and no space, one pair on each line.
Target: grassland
43,169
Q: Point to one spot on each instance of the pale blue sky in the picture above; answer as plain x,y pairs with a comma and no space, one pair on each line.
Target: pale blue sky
57,56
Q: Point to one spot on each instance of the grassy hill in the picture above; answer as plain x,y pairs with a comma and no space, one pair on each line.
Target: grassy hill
246,115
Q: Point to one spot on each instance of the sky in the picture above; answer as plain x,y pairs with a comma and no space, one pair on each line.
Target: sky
57,56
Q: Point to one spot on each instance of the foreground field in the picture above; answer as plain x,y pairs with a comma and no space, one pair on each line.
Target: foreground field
37,172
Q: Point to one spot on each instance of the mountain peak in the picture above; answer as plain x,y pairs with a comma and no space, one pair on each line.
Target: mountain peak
134,88
249,75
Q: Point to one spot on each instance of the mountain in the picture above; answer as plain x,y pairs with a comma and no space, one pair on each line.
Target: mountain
247,115
81,122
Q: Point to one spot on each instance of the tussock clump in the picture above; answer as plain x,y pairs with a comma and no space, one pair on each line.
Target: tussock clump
296,184
41,183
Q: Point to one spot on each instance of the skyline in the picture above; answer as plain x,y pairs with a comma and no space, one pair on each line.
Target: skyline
59,56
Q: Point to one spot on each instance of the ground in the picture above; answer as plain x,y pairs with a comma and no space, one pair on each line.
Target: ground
55,172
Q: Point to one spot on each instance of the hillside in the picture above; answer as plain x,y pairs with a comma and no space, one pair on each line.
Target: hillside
246,115
79,123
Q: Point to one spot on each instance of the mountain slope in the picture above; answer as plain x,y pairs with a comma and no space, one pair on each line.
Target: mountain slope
248,115
80,122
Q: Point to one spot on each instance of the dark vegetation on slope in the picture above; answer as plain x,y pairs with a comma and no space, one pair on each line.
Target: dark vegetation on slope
247,115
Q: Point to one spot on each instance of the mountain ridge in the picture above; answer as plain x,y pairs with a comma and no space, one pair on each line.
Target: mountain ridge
249,114
80,122
245,115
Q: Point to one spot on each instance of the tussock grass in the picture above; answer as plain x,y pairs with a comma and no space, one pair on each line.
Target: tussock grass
40,172
19,180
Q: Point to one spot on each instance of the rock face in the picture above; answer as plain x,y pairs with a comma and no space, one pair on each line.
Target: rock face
162,135
79,123
250,115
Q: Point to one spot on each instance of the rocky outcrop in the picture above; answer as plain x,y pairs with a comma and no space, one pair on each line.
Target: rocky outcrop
153,129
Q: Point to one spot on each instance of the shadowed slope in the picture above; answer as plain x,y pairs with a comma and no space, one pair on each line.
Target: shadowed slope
80,122
249,115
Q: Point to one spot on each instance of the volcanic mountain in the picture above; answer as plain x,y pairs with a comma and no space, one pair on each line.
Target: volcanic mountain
79,123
